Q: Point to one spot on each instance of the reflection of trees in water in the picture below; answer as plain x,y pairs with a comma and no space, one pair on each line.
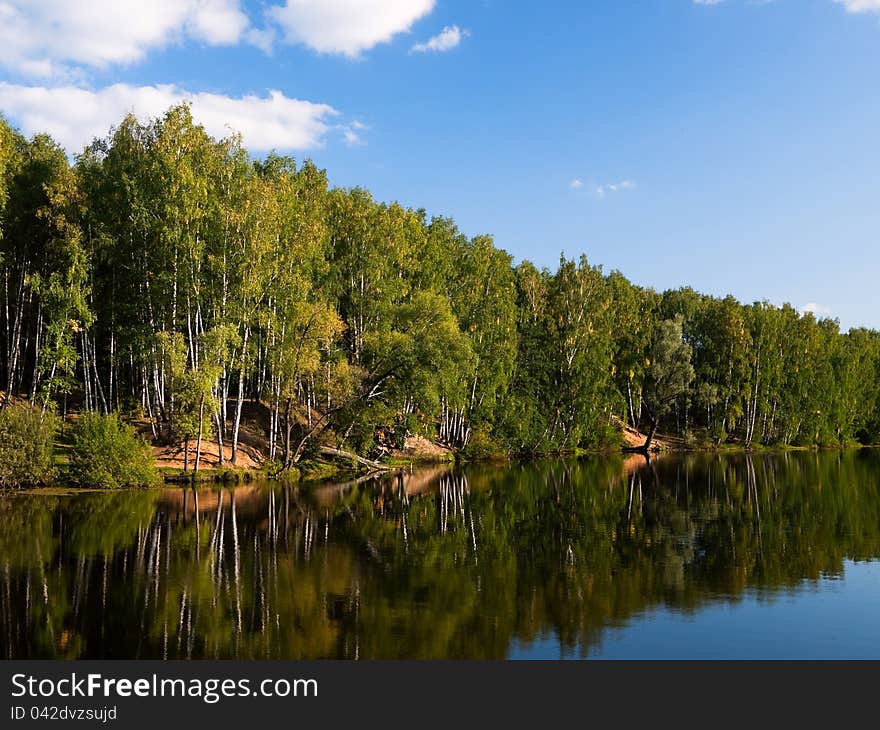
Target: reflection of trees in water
457,564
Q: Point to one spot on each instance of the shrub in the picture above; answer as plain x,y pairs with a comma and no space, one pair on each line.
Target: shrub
481,445
27,437
108,454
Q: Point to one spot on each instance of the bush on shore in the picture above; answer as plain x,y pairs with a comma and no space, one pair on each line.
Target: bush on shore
108,454
27,438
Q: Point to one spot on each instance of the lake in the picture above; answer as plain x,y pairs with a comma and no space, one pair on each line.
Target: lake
698,556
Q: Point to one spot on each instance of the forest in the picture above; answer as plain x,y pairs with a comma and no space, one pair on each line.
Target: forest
172,280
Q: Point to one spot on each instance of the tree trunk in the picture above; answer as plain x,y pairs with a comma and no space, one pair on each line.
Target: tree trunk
653,432
348,456
240,395
201,428
219,420
646,447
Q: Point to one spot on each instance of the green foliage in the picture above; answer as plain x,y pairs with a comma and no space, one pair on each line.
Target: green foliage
482,446
27,436
170,274
669,371
11,144
562,389
108,454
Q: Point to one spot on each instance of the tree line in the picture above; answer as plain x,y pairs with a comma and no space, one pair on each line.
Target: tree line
172,278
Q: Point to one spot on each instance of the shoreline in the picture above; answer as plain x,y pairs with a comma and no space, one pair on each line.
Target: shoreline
329,476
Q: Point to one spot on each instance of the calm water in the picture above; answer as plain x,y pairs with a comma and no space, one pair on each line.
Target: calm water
762,556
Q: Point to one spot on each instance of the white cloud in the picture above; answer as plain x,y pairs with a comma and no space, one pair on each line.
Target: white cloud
606,188
262,38
352,138
347,27
576,184
708,2
217,22
860,6
445,40
819,310
350,133
74,116
42,37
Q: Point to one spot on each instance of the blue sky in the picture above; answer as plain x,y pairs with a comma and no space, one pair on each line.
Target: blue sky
733,146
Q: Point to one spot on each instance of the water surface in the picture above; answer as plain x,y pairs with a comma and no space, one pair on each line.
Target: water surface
763,556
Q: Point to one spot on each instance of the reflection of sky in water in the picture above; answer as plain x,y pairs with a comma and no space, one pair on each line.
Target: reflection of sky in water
833,618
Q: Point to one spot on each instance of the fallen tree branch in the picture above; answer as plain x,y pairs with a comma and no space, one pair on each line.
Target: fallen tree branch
349,456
